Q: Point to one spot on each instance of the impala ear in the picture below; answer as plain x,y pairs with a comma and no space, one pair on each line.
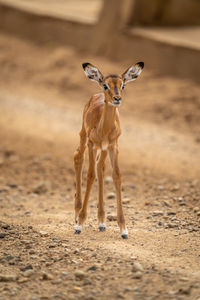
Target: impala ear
92,72
133,72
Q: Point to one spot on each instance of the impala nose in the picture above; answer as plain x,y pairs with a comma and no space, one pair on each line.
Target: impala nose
117,100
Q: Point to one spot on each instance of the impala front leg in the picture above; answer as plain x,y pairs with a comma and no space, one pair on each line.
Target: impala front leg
100,174
113,152
90,180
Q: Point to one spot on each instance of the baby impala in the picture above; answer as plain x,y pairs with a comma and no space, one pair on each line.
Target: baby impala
100,131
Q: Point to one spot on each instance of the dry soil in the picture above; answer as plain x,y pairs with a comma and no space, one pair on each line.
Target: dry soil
42,93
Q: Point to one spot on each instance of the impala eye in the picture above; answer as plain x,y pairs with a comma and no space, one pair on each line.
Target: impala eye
122,87
106,87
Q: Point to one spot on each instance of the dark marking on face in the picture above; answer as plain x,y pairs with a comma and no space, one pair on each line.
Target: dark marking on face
116,90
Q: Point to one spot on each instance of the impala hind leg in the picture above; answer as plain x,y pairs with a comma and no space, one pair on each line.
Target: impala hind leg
78,165
100,175
113,152
90,180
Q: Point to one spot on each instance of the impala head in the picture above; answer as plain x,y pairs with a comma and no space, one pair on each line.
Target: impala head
113,84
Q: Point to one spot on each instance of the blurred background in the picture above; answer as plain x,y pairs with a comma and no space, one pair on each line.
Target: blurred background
157,30
43,90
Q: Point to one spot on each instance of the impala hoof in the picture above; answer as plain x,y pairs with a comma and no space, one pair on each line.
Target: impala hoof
77,229
124,234
102,227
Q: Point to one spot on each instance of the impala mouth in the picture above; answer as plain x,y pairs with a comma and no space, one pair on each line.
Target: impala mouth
116,102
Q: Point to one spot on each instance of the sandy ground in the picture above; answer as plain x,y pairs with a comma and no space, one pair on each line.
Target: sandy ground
42,94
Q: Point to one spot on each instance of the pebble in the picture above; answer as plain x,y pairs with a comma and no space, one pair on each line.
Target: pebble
94,254
171,293
87,282
166,203
5,278
46,276
171,225
34,257
171,213
43,233
92,268
2,235
28,273
137,267
64,274
25,242
160,223
182,203
65,245
184,279
175,188
74,261
157,213
108,179
57,281
76,251
27,267
111,195
185,290
14,291
22,280
76,289
137,275
12,185
9,257
133,257
52,246
79,274
196,209
112,218
41,188
126,200
4,188
5,226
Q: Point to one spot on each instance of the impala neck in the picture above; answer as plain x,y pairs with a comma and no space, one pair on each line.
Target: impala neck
108,117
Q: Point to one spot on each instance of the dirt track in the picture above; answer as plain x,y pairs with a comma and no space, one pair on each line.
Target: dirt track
43,91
